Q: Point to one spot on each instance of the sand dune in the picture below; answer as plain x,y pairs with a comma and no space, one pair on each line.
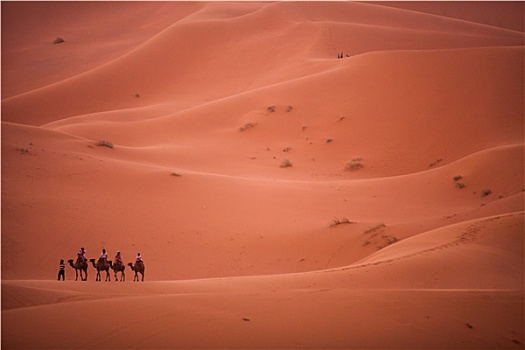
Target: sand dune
397,222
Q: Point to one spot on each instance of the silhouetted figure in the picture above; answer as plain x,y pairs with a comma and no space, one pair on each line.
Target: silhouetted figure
62,270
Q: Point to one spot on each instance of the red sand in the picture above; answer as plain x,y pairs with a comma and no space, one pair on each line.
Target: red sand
202,103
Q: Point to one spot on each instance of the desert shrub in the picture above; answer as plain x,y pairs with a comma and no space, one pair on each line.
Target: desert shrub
457,177
286,163
104,143
289,108
58,40
436,162
339,221
247,126
485,192
387,240
271,109
375,228
460,185
355,164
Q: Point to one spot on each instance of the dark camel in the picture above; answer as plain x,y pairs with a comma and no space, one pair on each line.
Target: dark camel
138,268
79,265
102,265
118,268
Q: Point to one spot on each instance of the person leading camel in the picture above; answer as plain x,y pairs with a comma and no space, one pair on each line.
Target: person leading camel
62,270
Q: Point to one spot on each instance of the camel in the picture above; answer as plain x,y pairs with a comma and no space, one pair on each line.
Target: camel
102,265
79,265
118,268
138,267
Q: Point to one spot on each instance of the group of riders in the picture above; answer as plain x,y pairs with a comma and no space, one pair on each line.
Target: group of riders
81,257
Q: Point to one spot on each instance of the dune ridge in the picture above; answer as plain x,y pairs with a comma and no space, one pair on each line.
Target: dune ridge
281,197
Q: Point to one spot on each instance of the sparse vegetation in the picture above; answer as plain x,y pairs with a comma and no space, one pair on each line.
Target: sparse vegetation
175,174
286,163
289,108
58,40
104,143
485,192
386,241
339,221
329,140
354,164
375,228
247,126
378,236
287,149
458,184
271,109
434,163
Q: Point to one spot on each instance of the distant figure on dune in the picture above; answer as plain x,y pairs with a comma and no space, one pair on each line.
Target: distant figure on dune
62,270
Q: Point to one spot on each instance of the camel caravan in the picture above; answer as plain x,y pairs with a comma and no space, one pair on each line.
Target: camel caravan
103,264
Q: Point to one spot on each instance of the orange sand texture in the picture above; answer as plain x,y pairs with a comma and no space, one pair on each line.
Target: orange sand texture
280,197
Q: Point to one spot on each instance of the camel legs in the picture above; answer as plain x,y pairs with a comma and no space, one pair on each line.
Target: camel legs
79,271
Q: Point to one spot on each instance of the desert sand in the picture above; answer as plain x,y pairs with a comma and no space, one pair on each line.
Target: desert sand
281,197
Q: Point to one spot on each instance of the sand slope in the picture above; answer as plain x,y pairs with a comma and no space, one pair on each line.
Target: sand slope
399,221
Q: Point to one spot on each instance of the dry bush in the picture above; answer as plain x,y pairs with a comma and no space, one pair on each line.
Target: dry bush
286,163
355,164
247,126
104,143
339,221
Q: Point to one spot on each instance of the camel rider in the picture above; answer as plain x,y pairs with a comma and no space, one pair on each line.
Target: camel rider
103,256
139,259
81,255
118,259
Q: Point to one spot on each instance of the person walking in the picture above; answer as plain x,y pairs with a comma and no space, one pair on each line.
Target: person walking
62,270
